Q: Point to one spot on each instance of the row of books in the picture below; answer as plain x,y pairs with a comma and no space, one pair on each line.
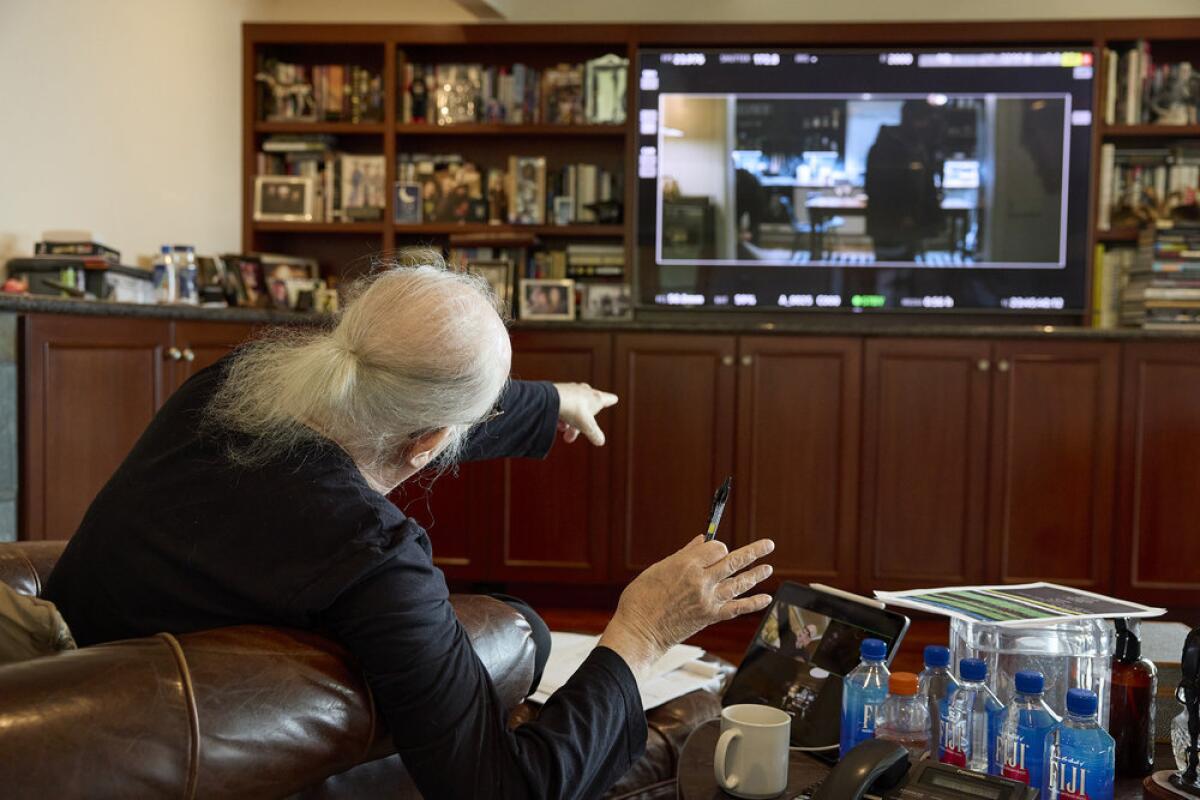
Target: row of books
347,186
1159,286
567,94
448,188
1139,91
1146,179
319,93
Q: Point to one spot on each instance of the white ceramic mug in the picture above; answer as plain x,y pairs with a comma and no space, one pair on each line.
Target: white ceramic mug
752,752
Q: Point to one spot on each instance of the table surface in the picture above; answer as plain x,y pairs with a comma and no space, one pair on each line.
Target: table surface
696,781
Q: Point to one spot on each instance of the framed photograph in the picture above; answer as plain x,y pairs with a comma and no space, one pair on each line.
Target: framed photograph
527,190
547,299
564,209
284,198
606,78
287,267
602,301
407,208
498,274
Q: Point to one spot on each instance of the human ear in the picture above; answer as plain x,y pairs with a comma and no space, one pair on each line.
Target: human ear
423,449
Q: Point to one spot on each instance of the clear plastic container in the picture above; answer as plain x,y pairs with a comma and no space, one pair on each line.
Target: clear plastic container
1071,655
1080,756
904,718
973,720
936,684
863,692
166,276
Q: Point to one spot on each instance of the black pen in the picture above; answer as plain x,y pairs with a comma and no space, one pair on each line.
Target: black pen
718,508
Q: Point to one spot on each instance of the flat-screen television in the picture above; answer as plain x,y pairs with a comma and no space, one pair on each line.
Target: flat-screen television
855,180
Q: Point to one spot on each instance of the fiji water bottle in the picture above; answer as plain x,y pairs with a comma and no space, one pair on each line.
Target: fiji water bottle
166,279
1080,755
1018,751
863,692
972,720
904,718
936,685
188,277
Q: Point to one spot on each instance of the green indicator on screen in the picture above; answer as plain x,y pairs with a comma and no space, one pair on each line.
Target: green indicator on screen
867,301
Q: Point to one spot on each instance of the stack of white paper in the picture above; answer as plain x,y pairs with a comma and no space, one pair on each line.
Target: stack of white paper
675,674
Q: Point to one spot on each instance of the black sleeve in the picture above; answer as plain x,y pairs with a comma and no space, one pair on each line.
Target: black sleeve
524,428
443,711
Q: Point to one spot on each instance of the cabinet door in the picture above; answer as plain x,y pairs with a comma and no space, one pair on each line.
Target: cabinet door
202,344
555,512
1053,456
91,385
448,507
672,441
924,462
799,407
1158,559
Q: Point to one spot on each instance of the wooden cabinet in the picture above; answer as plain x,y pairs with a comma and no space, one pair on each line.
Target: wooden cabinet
90,386
1158,558
672,440
924,462
1053,455
799,404
448,507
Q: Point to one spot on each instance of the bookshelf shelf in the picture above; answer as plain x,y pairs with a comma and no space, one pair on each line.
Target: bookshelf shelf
566,231
365,128
1129,234
1150,131
319,227
502,129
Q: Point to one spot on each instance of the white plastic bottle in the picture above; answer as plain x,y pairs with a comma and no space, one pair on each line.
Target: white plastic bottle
937,685
904,718
189,278
166,278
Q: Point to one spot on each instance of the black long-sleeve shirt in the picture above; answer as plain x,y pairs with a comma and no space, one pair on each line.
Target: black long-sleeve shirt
181,540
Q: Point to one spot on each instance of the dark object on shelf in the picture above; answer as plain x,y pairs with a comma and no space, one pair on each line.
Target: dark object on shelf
1131,715
1189,695
84,275
78,249
608,212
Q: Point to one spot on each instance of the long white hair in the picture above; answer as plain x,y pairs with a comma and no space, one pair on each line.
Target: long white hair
417,349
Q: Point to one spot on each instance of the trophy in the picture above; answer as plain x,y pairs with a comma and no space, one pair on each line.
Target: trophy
1184,783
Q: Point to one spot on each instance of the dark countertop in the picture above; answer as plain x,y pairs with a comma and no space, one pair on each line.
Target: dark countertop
807,326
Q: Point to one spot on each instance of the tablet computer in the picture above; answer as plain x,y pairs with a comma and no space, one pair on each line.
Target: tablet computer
807,641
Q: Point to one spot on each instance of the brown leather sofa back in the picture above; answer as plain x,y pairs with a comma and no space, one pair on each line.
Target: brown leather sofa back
246,712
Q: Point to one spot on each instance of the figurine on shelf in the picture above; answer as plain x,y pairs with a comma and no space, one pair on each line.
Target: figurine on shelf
1175,103
290,101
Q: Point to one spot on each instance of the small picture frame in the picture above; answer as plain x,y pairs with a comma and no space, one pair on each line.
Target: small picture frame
606,301
498,274
284,198
407,206
547,299
564,209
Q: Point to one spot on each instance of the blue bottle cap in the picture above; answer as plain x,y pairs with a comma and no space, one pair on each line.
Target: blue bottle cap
937,656
972,669
1082,702
1030,682
874,649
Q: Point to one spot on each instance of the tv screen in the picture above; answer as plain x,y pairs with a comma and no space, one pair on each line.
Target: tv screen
895,180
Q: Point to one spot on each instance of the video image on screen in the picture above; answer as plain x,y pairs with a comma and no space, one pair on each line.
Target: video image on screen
883,179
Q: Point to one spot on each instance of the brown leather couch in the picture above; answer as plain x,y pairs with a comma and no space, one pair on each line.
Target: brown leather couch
246,712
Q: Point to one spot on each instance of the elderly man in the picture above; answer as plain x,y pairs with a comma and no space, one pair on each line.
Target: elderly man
257,495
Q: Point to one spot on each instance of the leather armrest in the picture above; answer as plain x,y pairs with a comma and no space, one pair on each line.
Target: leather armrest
236,712
25,565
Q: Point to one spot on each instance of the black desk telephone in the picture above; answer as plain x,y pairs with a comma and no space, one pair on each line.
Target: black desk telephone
880,770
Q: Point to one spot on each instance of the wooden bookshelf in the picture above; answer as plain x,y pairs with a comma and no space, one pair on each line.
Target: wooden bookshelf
581,231
319,227
1150,131
1125,234
337,128
502,129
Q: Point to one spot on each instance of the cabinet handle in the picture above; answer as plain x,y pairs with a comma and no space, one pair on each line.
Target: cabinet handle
1002,365
174,353
188,355
747,360
727,361
984,365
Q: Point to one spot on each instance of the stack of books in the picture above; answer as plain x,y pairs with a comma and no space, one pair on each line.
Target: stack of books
1138,91
320,93
585,261
1163,289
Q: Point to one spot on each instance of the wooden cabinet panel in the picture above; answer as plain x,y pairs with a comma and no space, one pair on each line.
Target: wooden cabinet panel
206,342
555,522
924,462
672,441
448,508
91,385
1053,456
799,407
1158,558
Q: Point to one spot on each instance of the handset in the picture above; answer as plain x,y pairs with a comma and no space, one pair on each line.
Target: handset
875,764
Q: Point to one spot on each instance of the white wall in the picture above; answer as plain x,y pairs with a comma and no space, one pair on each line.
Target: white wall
123,116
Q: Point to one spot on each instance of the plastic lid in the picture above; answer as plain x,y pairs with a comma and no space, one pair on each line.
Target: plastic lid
874,649
937,656
1082,702
1030,682
166,248
972,669
904,683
